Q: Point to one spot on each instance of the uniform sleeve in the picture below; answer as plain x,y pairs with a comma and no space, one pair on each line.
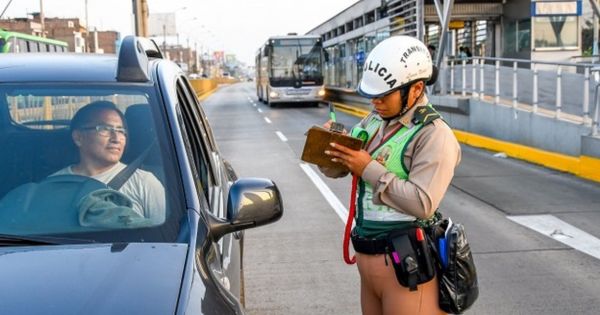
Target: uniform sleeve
435,153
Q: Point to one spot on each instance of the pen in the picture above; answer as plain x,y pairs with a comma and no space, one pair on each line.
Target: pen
335,126
332,112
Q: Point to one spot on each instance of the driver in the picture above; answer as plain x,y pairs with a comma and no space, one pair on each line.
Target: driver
99,132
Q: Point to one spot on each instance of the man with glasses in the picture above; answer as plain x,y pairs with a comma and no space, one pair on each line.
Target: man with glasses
100,133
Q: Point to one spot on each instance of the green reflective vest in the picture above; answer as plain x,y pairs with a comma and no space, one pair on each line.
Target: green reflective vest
374,221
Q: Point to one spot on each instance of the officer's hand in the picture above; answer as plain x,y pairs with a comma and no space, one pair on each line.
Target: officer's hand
355,160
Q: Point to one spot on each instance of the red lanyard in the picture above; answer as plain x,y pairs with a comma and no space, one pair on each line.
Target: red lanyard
385,138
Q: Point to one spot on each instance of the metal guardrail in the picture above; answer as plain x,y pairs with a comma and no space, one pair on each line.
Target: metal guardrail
538,84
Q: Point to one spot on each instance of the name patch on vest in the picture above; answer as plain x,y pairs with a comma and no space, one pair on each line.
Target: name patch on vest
382,72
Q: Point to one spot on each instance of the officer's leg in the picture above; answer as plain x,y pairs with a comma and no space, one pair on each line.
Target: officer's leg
370,300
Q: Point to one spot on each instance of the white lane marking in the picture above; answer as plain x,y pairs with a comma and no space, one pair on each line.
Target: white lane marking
267,120
260,110
334,202
281,136
561,231
253,104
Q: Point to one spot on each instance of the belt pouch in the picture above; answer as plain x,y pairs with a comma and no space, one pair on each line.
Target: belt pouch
410,257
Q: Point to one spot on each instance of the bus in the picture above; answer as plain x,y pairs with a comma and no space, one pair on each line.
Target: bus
289,69
21,43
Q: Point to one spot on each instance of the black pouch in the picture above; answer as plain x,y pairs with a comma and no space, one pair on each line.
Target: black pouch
411,257
457,276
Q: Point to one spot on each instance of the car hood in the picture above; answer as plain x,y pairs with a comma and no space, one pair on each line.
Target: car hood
135,278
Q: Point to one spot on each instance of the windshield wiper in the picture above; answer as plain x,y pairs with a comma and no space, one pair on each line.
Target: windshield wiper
18,240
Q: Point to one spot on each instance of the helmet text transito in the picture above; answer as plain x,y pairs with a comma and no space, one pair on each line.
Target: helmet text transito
394,63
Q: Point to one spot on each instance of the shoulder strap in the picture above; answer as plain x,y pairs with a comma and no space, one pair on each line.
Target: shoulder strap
425,115
117,182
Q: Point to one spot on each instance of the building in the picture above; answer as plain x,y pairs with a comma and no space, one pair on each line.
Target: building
70,30
22,25
104,42
542,30
185,57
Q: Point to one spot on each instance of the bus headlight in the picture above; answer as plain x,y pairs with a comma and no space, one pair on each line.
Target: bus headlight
322,92
273,94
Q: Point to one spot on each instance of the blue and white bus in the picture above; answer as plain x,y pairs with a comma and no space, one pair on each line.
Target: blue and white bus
289,69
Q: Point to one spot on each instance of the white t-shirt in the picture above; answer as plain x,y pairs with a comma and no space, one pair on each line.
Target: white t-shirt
144,189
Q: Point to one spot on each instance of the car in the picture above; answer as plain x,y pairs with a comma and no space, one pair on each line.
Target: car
75,244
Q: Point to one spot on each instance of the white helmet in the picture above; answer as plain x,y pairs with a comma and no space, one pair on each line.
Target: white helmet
396,62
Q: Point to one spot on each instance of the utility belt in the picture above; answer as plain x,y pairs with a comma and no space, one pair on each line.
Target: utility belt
408,250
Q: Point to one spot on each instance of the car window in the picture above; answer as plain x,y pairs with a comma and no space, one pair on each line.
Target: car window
64,148
196,137
201,116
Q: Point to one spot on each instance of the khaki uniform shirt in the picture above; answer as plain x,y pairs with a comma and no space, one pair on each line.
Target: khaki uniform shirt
431,157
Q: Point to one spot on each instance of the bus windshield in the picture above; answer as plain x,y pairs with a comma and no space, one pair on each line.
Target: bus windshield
296,59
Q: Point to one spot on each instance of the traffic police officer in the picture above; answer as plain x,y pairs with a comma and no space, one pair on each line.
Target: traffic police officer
404,170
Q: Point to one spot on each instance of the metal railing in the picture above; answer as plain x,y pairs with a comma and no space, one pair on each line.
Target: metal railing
559,89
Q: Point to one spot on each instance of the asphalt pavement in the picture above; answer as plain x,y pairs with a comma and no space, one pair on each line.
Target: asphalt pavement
295,266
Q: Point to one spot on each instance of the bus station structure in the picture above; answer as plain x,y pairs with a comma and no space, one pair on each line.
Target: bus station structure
516,76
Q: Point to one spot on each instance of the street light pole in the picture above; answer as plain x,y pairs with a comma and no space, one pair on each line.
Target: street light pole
87,29
42,17
165,38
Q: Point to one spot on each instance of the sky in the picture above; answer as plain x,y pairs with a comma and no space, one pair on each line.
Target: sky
238,27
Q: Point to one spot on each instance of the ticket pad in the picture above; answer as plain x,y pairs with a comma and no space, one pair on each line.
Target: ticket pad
318,140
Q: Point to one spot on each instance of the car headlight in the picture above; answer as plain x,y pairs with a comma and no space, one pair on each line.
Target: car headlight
321,92
273,94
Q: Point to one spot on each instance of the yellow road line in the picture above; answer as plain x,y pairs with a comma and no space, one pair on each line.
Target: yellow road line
582,166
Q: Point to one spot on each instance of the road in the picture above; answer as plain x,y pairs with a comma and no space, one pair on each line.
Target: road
295,266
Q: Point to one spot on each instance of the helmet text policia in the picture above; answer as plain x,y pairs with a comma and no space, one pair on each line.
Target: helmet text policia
394,63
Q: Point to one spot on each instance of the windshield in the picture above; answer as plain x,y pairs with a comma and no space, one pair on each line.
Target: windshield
64,149
297,59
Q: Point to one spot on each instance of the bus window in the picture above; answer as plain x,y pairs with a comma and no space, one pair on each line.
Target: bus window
32,46
22,45
2,43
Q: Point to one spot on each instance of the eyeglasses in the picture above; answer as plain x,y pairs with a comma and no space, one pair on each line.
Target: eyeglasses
106,130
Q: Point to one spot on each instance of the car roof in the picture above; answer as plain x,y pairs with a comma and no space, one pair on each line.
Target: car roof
57,67
133,63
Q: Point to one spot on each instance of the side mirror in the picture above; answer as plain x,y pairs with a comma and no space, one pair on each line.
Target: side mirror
251,202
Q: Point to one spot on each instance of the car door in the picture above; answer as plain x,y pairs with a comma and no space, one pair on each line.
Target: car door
215,185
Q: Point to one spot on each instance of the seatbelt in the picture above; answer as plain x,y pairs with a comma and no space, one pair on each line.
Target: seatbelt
117,182
348,229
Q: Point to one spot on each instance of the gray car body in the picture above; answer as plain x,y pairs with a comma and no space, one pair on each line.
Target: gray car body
196,275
